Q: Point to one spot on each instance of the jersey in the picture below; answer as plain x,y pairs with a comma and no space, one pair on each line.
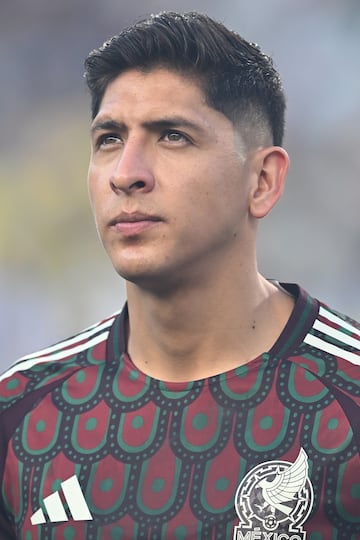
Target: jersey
92,448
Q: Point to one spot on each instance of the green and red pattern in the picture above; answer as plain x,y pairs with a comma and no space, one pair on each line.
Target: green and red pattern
154,460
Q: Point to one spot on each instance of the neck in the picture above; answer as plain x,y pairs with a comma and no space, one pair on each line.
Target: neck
193,333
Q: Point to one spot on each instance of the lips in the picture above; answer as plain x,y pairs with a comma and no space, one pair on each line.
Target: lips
130,224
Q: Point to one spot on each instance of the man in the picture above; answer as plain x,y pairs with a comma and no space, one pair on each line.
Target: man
217,404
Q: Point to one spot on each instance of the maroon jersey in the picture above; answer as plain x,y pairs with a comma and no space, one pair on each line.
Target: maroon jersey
93,449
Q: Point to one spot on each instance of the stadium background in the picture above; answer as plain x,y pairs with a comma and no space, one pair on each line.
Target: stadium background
54,275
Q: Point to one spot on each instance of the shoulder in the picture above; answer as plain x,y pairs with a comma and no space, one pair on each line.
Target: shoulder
325,330
321,380
329,346
44,367
328,365
325,356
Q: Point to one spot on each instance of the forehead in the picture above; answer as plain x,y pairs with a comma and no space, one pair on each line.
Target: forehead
136,91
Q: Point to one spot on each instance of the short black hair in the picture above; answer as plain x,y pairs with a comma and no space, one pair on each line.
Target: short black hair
236,77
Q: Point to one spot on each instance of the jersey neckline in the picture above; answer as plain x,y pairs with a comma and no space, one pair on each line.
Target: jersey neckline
297,327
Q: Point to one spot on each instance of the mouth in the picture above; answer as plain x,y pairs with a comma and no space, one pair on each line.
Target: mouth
132,224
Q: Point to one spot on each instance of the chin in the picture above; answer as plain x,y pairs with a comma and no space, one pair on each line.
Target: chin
136,272
149,279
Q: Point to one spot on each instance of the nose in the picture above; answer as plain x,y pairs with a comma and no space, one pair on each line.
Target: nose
132,171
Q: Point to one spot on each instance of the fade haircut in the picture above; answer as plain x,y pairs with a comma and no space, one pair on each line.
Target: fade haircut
236,78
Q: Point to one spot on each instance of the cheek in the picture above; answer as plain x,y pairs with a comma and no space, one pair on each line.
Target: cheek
95,189
221,189
91,183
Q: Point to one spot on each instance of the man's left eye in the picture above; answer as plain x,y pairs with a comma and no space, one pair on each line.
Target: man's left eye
175,136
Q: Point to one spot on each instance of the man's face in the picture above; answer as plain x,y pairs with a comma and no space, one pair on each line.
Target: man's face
169,181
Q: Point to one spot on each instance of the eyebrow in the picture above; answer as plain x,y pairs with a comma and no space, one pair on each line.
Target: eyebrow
106,125
151,125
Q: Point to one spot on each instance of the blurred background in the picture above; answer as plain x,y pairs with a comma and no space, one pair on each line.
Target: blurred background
55,277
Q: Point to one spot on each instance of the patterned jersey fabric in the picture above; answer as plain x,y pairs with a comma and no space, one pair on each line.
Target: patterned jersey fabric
91,448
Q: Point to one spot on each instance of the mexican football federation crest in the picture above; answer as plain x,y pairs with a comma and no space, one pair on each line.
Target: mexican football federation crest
274,500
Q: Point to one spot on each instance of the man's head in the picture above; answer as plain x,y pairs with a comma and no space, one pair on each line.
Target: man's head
187,123
236,78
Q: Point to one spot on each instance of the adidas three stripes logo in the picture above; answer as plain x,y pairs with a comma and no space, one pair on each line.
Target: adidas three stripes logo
77,507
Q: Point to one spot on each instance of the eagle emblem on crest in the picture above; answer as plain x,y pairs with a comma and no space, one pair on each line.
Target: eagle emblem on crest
275,496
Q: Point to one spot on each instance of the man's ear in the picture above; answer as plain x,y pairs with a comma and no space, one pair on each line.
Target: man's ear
271,166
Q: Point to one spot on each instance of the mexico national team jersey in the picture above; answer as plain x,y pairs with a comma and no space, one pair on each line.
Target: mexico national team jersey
93,449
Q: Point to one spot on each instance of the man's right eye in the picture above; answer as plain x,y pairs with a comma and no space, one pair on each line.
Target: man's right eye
108,140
